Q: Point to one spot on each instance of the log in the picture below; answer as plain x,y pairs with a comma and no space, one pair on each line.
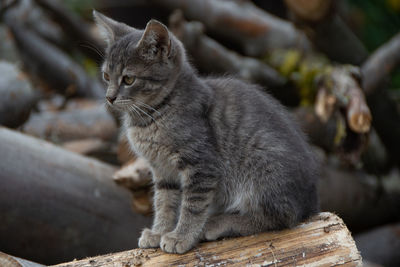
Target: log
384,109
56,205
76,28
80,123
322,241
137,177
326,29
380,64
17,96
50,65
212,58
381,245
251,28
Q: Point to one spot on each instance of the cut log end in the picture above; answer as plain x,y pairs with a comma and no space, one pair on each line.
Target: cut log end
323,240
360,122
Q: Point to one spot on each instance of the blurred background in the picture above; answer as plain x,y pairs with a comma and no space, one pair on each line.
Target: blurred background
70,188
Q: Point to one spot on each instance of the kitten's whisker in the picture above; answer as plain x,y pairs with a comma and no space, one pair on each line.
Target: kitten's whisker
147,106
93,48
154,120
144,112
132,108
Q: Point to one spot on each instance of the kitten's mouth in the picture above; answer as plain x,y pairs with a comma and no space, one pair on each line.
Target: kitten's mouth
120,104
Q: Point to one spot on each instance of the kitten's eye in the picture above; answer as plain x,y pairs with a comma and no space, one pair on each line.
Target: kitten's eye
128,80
106,76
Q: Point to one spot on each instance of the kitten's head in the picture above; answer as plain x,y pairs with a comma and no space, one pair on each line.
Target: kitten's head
140,66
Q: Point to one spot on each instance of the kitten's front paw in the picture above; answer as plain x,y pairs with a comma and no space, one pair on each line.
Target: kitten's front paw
174,243
149,239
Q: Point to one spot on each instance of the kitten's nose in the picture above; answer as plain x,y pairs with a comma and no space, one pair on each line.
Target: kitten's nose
111,99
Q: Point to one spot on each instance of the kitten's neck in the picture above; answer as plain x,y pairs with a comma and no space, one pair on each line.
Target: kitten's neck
182,89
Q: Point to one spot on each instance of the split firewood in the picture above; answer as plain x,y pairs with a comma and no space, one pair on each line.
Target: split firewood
62,126
137,177
95,148
134,175
322,240
17,95
211,57
84,146
62,204
335,87
52,67
251,28
341,86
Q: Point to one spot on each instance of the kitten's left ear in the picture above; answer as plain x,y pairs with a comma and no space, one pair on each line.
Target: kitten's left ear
110,29
155,41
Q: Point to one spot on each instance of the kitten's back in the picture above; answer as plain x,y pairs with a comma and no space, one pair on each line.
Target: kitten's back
258,138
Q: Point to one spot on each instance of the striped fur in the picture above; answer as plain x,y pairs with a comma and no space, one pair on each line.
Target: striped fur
227,158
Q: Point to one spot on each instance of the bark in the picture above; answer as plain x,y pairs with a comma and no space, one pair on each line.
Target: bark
254,30
73,124
52,66
323,240
17,96
62,204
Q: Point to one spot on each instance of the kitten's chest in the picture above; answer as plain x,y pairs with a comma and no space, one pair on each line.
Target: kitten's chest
152,145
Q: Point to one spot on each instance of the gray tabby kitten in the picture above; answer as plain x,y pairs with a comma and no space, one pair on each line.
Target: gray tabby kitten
227,159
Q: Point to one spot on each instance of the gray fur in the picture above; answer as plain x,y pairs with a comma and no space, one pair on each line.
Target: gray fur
227,158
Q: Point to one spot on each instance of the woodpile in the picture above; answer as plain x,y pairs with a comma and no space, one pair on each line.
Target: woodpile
71,188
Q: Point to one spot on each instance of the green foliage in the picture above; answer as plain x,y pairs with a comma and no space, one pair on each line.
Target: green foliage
377,21
80,6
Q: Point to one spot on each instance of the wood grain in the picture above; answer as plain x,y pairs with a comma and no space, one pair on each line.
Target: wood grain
324,240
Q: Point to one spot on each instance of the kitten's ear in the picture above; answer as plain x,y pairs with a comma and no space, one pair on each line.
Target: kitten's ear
110,29
155,41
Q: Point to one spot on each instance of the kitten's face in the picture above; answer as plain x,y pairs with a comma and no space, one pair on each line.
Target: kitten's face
139,64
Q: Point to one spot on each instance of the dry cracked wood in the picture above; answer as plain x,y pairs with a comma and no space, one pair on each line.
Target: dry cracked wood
322,241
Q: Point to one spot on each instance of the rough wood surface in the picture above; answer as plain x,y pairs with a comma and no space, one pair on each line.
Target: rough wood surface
322,241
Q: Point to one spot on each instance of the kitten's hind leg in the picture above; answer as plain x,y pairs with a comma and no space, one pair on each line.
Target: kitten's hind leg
225,225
